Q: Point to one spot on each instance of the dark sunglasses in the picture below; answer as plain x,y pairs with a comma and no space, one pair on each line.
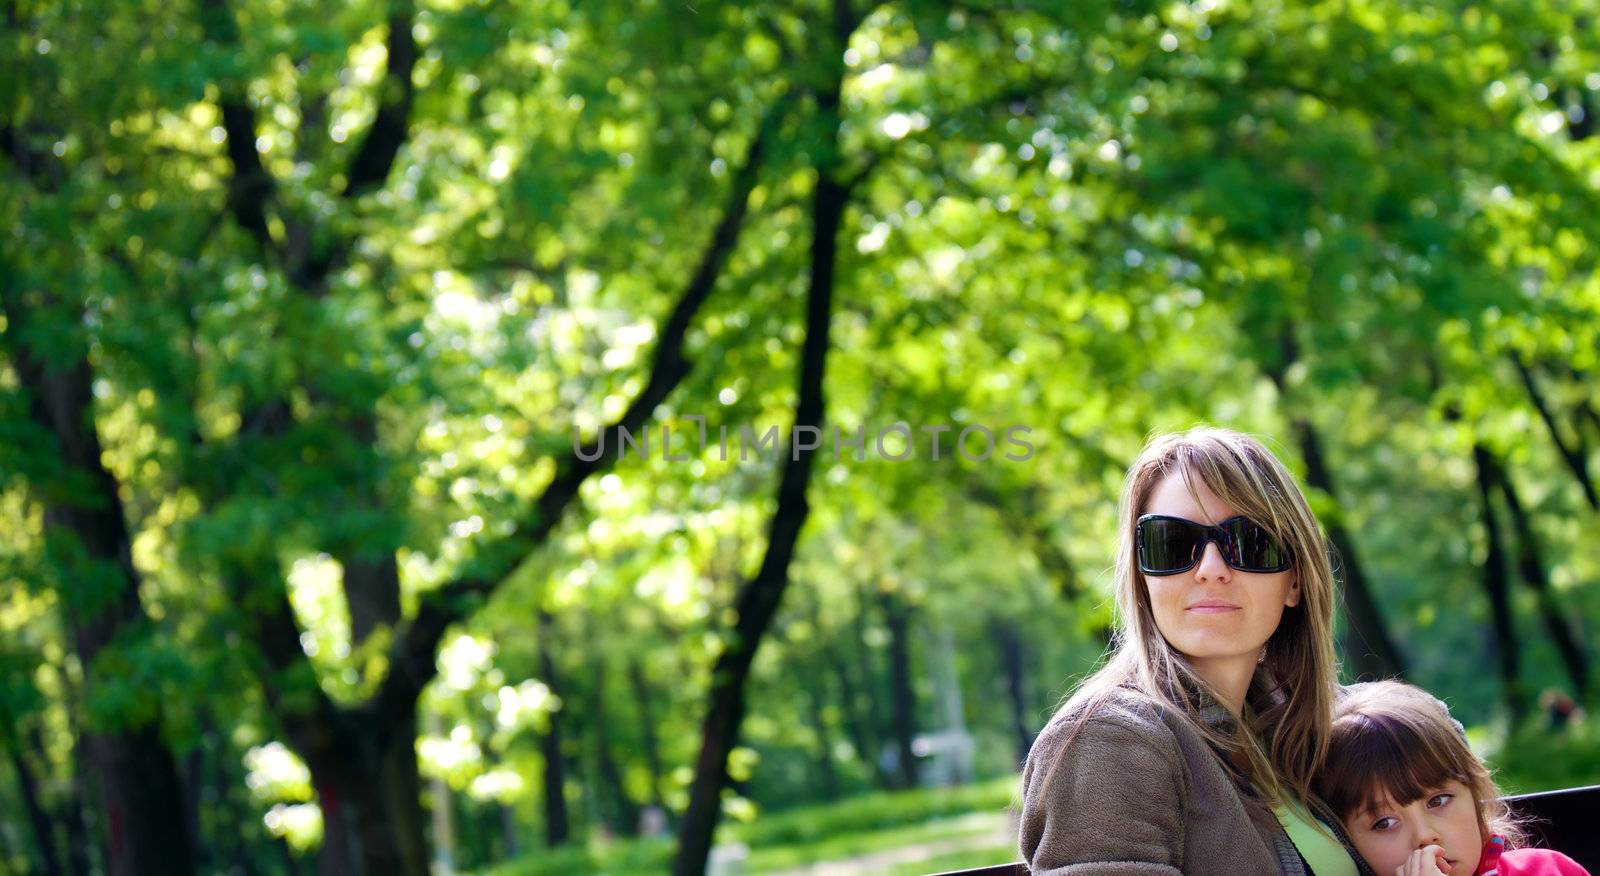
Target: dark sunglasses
1169,545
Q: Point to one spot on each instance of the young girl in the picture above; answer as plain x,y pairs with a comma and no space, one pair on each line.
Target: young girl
1414,798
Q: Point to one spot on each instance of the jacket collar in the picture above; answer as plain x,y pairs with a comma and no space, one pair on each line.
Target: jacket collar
1489,860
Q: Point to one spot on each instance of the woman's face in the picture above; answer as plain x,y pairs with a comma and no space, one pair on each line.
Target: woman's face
1216,616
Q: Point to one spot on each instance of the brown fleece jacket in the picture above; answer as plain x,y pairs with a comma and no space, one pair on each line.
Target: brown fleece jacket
1138,792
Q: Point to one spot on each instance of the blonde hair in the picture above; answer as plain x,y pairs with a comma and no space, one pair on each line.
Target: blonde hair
1300,666
1392,742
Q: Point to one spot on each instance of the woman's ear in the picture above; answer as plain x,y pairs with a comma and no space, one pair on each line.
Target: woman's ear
1293,597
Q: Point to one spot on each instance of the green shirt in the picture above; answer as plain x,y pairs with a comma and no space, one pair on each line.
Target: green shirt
1315,843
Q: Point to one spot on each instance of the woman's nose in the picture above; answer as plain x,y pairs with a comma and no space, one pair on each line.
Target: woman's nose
1212,567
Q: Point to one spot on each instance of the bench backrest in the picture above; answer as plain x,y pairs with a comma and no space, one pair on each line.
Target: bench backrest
1567,821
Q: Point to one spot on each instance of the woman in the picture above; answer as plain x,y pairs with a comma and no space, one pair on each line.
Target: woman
1192,750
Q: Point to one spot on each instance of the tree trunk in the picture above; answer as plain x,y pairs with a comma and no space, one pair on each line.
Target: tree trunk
1367,644
644,698
85,847
855,722
902,697
68,808
759,598
621,812
194,766
44,833
290,865
89,548
140,779
557,825
371,587
372,591
831,662
874,687
401,787
1009,644
1496,585
816,705
508,830
373,823
1531,568
227,821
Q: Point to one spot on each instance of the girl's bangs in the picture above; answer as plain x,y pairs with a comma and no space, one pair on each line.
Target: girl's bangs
1379,759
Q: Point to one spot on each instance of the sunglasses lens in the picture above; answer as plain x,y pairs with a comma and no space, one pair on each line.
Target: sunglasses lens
1253,548
1167,545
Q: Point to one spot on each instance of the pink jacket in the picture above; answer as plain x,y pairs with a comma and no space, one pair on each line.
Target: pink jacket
1496,861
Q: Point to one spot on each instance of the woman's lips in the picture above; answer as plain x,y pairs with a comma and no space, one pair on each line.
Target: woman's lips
1213,607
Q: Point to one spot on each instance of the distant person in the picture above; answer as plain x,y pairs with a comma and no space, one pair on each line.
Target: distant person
1560,710
1192,750
1414,798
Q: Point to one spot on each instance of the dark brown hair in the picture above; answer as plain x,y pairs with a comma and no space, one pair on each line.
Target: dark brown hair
1395,743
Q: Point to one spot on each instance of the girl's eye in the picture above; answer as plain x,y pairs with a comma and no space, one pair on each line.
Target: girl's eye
1385,823
1438,800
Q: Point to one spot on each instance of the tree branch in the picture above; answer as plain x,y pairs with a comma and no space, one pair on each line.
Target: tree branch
411,658
252,188
760,596
1573,456
373,160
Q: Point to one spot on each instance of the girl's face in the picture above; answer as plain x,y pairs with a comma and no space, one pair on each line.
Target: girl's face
1213,614
1446,817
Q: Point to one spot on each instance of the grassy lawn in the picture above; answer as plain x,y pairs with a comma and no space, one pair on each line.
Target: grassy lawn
975,857
978,829
792,839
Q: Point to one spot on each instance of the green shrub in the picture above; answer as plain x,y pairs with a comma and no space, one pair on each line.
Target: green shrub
1536,759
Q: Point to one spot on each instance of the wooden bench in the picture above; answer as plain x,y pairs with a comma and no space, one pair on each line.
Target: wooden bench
1567,821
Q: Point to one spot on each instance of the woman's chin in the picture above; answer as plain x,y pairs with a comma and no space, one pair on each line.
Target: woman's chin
1210,649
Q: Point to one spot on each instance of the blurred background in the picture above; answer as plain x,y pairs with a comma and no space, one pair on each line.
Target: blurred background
323,324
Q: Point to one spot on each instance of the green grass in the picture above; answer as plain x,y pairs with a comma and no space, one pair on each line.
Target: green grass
826,832
980,826
616,859
872,812
976,857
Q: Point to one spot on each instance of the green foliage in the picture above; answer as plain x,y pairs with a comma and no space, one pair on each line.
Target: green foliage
1095,220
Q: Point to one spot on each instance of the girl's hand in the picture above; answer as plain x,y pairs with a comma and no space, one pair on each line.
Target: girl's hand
1426,861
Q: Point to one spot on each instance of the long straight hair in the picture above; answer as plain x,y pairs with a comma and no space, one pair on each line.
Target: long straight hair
1292,693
